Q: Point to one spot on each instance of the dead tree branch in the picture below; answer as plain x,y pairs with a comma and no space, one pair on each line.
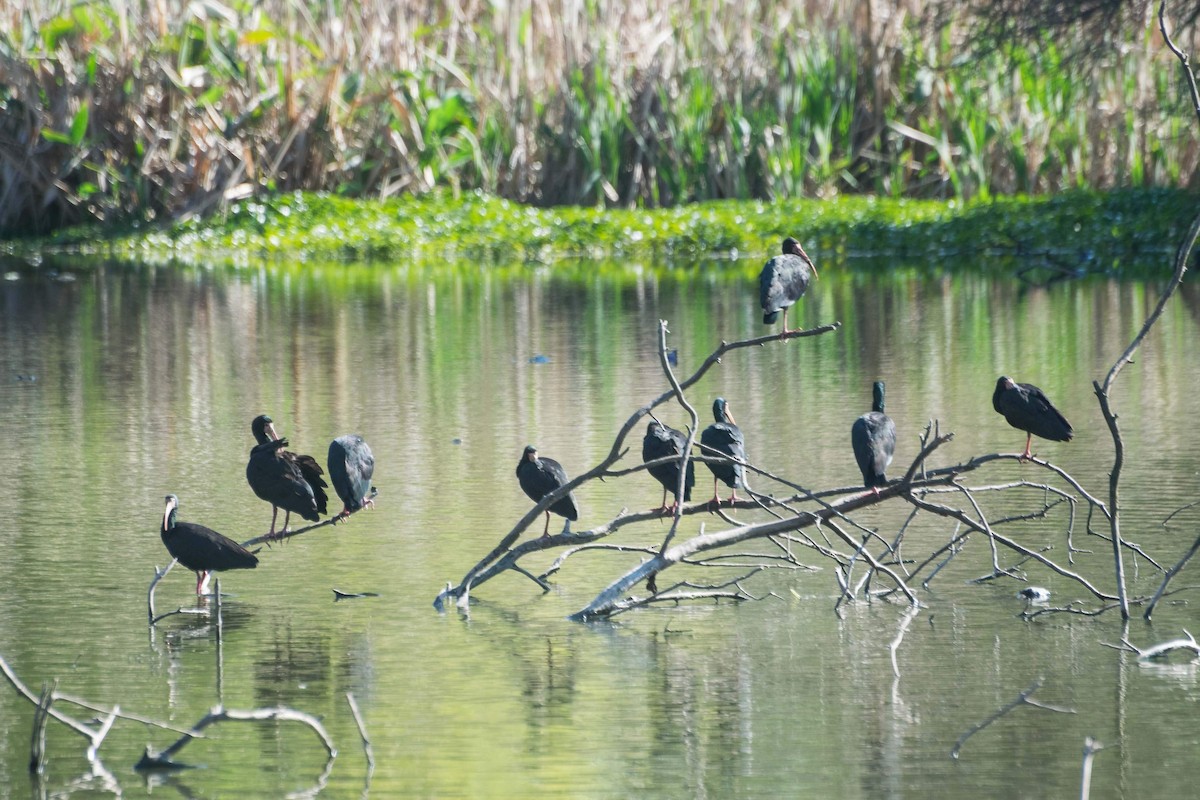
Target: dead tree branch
1164,649
1171,573
610,598
362,732
909,616
686,455
1103,390
1022,699
487,566
1090,748
162,759
44,710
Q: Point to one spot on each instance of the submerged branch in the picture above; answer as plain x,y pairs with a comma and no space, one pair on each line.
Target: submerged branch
44,701
161,759
1022,699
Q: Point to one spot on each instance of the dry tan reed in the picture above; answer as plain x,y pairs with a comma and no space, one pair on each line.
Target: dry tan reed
159,109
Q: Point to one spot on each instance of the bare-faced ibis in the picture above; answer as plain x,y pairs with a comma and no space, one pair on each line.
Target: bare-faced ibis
539,476
724,438
282,478
660,442
351,466
784,280
201,549
1027,408
873,436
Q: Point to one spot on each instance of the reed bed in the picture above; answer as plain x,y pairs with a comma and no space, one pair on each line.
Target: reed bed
146,110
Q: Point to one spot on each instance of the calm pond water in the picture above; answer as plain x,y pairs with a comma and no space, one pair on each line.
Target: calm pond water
147,379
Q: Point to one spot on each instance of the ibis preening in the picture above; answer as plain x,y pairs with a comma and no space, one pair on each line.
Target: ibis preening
283,478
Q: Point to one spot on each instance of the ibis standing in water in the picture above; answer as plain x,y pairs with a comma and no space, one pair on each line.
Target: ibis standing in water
539,477
1027,408
783,281
660,442
283,478
351,466
873,436
724,438
201,549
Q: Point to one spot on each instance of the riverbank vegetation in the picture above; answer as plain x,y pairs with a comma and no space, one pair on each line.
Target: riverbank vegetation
120,113
1126,231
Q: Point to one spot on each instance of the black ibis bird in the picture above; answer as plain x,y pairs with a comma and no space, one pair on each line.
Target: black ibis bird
873,436
539,476
724,438
282,478
201,549
659,442
784,280
351,466
1027,408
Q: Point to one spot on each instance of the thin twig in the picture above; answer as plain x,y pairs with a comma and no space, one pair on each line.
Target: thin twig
1171,573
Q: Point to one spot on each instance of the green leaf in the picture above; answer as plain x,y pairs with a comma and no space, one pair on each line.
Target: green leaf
211,96
257,36
79,125
448,116
57,29
54,136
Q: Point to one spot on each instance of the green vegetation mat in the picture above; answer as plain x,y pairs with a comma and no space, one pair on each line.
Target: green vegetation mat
1110,231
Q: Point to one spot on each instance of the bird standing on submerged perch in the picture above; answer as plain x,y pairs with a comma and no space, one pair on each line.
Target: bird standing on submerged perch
541,476
873,436
660,442
724,438
783,281
1027,408
282,478
351,465
201,549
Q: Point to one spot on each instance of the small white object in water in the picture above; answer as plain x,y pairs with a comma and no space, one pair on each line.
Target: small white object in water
1035,594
